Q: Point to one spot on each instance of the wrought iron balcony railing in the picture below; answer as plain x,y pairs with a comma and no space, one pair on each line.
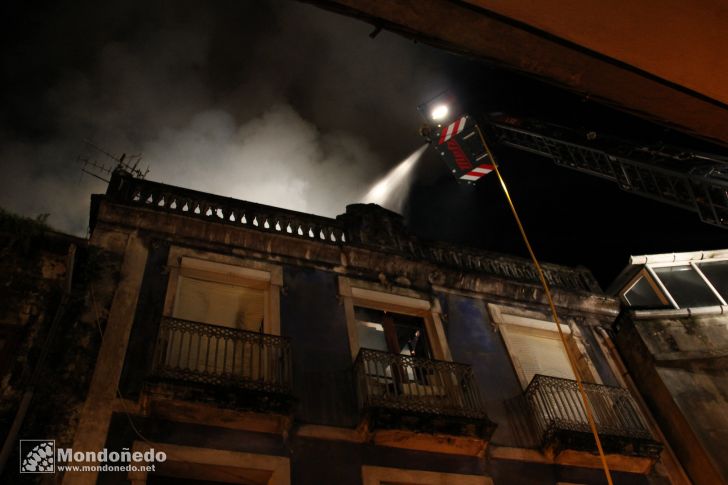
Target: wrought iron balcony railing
417,385
221,356
558,411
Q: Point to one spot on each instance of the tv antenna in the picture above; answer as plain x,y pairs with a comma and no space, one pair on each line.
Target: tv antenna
102,171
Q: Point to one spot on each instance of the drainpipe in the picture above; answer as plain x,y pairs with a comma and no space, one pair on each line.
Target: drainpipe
675,471
12,438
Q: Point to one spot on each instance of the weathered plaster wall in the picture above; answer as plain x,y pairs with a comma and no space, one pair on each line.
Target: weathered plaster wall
322,368
473,341
681,368
139,355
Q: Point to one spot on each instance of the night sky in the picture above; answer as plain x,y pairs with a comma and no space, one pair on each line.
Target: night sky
285,104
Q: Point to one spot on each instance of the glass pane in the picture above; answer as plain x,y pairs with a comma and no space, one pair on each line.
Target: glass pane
219,304
370,329
643,295
408,330
717,274
686,286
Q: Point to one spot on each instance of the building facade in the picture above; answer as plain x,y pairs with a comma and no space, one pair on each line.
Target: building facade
673,335
258,345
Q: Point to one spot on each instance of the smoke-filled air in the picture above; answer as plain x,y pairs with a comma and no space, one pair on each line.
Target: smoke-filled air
241,99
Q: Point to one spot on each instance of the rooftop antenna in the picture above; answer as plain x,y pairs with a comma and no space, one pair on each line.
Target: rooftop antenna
102,171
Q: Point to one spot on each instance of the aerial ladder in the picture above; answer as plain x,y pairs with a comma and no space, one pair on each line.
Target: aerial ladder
687,179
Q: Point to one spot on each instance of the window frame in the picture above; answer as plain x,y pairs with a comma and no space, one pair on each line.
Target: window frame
397,300
209,266
504,318
648,272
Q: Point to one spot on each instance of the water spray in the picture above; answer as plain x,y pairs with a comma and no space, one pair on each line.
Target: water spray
391,190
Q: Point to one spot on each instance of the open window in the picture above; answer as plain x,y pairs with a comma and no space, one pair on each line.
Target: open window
401,323
392,332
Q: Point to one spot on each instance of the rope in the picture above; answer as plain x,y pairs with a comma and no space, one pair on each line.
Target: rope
542,278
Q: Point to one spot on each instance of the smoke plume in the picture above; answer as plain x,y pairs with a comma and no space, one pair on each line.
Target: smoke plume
279,103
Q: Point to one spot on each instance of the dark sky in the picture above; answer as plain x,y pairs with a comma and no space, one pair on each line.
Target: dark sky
285,104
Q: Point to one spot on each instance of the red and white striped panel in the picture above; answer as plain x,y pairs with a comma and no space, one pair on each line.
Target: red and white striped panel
478,172
452,130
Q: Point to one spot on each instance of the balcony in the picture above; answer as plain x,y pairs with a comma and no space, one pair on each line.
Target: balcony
227,367
420,395
558,412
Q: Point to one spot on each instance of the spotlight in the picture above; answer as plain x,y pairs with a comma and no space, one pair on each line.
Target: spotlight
440,109
439,112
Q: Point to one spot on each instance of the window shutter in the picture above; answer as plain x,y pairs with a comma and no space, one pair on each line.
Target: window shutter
537,354
219,304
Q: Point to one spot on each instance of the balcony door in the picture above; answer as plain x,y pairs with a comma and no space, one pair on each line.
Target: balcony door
392,332
536,349
224,304
536,352
219,315
406,337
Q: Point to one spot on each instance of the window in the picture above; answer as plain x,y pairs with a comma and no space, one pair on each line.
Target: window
535,346
391,332
717,274
224,291
683,284
237,304
537,352
217,313
645,294
686,286
401,323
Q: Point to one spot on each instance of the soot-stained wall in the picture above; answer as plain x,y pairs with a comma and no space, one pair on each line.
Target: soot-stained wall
313,317
473,341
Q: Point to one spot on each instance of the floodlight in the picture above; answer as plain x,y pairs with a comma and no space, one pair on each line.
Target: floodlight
439,112
440,109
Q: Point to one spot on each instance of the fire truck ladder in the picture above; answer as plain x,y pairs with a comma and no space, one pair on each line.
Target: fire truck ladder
692,181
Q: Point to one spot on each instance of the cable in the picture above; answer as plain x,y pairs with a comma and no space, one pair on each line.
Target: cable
542,278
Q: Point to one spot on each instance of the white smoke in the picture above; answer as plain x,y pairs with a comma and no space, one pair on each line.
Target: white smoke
245,100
